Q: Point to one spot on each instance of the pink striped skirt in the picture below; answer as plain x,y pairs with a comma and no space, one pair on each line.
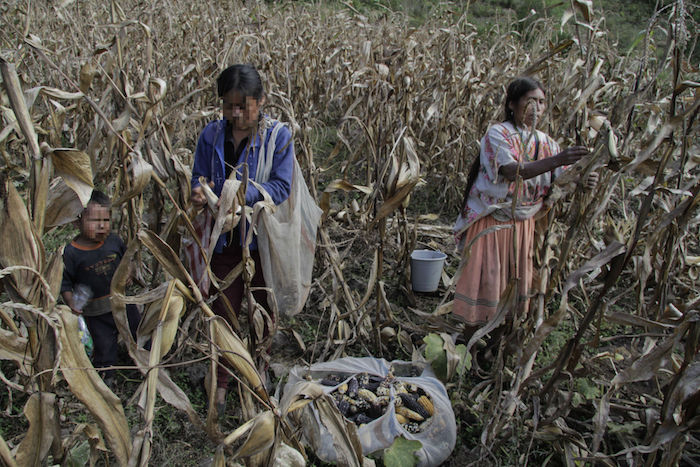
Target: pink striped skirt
494,259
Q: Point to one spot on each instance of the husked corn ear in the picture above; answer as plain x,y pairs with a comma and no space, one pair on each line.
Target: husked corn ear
367,395
408,413
382,400
427,405
401,418
412,404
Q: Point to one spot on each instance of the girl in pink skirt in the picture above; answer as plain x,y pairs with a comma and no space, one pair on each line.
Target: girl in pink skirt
494,197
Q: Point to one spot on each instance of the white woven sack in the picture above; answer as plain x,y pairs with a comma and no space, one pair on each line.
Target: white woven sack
287,239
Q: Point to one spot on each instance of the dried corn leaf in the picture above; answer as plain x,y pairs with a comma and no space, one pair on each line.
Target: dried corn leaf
647,366
165,255
236,353
5,454
19,245
586,9
19,106
44,429
140,176
87,386
15,347
167,388
59,93
340,185
344,432
63,204
661,136
259,432
299,396
141,450
75,168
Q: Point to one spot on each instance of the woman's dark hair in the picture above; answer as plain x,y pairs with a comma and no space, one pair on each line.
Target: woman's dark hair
471,178
517,89
243,79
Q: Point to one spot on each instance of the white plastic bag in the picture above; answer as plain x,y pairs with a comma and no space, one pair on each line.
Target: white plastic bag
81,295
437,438
287,240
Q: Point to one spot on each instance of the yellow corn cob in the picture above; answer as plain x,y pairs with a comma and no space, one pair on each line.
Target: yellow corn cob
367,395
401,418
382,400
427,404
410,414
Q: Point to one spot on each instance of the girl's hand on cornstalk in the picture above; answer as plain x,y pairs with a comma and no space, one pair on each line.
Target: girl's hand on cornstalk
592,180
572,155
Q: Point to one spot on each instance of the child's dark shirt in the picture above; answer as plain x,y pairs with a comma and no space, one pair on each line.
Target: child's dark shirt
93,267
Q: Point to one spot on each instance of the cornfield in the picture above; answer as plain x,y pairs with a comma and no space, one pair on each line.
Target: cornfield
387,119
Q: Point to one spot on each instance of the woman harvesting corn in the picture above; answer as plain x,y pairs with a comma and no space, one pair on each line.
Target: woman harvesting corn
506,189
242,136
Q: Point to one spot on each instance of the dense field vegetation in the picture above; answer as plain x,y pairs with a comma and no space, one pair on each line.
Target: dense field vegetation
387,102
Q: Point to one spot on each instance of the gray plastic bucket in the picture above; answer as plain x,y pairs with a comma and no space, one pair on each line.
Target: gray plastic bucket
426,269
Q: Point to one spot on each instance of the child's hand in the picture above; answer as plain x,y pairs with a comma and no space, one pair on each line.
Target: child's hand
76,311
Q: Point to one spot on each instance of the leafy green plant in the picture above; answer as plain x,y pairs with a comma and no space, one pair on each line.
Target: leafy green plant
79,455
401,453
444,355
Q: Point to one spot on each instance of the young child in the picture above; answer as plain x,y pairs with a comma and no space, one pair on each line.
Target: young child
89,264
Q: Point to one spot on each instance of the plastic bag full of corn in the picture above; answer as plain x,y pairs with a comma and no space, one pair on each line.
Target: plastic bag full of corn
384,400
